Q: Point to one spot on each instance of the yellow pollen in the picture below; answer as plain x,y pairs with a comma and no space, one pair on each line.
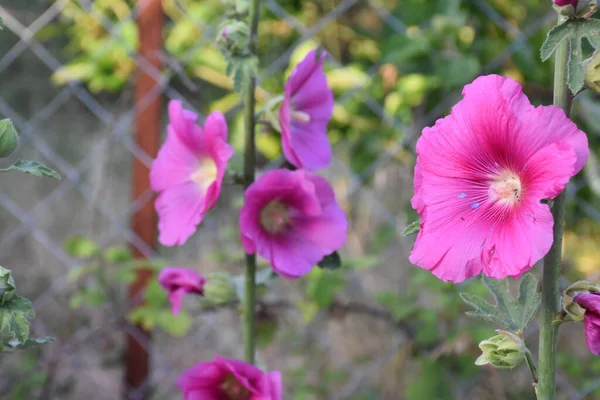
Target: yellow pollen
300,116
233,389
506,188
206,173
274,217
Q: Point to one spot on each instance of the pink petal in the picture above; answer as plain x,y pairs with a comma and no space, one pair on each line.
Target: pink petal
216,125
417,199
174,164
589,301
592,332
545,180
310,144
176,298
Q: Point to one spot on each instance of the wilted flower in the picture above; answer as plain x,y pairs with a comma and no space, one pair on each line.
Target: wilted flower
304,114
224,379
292,219
505,350
188,172
590,302
480,177
179,281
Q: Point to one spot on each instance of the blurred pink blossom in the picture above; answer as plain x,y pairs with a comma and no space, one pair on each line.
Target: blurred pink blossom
480,177
179,281
188,172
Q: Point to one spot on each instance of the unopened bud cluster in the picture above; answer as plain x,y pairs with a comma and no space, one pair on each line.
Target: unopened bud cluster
575,8
505,350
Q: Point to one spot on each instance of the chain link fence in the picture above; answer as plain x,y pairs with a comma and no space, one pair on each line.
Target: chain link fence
69,71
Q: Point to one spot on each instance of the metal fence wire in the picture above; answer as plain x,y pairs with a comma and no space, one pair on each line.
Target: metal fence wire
70,83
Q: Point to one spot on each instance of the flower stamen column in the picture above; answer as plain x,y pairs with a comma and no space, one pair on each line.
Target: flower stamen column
249,169
550,291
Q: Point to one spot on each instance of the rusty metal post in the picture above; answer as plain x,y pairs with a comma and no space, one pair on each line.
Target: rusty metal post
147,106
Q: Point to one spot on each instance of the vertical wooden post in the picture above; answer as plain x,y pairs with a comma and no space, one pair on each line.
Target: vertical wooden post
147,106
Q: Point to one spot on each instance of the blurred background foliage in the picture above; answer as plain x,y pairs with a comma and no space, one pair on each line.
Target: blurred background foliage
395,67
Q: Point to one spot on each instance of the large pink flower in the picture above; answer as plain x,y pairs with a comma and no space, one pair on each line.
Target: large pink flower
224,379
480,176
591,303
188,172
292,219
179,281
304,114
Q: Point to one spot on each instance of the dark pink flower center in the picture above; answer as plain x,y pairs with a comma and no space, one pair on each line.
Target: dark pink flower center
233,389
275,217
505,188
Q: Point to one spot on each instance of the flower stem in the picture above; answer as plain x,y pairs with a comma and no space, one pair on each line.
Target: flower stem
249,169
532,368
550,291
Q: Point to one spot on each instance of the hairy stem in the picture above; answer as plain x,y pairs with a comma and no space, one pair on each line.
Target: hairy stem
249,169
532,368
550,292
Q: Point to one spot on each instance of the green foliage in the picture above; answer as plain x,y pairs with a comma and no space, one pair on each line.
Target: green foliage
32,168
323,286
573,30
508,312
331,261
81,247
413,227
14,320
242,69
9,139
401,307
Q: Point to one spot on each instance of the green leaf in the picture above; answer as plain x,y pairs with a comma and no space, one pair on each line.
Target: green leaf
117,255
174,325
31,342
32,168
529,298
14,320
576,75
554,38
324,285
242,69
413,227
331,261
81,247
482,309
143,316
399,306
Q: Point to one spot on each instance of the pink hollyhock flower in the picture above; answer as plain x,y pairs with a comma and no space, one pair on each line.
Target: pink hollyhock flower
178,281
480,176
292,219
306,109
591,303
563,3
188,172
224,379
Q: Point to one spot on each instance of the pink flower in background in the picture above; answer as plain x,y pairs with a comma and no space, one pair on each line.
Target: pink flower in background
480,176
224,379
304,114
292,219
188,172
179,281
591,303
566,2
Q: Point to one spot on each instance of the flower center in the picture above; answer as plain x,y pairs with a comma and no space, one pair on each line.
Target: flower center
506,188
300,116
233,389
274,217
206,173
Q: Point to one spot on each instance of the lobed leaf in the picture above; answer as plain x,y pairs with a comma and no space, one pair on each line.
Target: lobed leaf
32,168
554,38
14,320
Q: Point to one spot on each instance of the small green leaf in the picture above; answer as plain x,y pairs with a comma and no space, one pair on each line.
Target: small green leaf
14,320
31,342
143,316
324,285
81,247
413,227
117,255
555,37
174,325
331,261
576,75
242,69
32,168
529,299
156,296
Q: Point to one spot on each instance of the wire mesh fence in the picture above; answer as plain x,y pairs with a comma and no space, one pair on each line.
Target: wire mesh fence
69,70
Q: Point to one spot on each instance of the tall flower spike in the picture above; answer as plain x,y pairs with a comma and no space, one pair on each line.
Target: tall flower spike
188,172
292,219
590,302
224,379
304,114
480,176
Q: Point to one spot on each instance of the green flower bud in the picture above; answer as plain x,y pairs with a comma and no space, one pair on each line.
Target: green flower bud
9,139
219,288
232,38
505,350
7,285
574,310
236,8
592,72
575,8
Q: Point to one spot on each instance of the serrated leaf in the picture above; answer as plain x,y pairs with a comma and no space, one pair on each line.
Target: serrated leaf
81,247
554,38
413,227
506,301
483,310
529,299
32,168
14,320
576,75
242,69
31,342
331,261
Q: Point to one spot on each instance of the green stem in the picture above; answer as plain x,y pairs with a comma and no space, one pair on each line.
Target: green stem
531,365
550,291
249,169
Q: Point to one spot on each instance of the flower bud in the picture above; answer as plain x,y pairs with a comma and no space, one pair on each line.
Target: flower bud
574,310
232,37
237,8
592,72
9,139
575,8
7,285
505,350
219,288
